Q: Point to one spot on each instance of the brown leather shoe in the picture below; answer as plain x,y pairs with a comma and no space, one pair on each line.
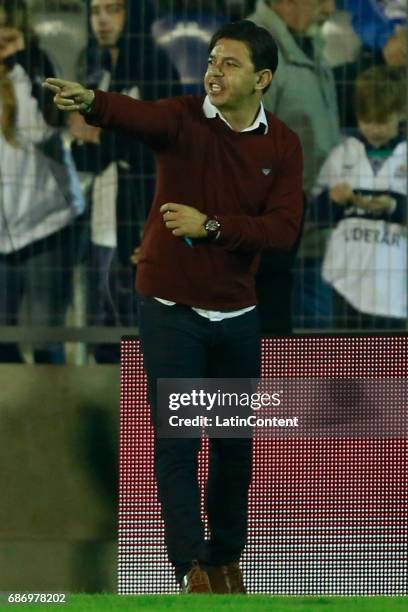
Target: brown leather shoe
196,581
235,578
219,580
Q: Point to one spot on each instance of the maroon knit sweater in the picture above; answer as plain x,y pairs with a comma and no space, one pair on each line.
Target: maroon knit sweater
250,181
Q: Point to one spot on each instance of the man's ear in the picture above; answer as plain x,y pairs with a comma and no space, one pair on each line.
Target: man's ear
263,79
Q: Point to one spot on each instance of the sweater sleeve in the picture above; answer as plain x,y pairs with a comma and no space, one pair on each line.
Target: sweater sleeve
157,123
279,226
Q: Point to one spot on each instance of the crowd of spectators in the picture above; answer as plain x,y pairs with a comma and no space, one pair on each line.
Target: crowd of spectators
74,196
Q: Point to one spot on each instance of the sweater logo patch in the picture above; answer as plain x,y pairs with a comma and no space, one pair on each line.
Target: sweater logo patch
266,171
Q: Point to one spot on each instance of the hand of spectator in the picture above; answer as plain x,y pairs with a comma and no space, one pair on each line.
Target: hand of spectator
184,220
395,49
80,130
135,256
341,193
11,41
381,204
70,96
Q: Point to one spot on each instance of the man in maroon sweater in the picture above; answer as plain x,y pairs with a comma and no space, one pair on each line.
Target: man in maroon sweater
229,184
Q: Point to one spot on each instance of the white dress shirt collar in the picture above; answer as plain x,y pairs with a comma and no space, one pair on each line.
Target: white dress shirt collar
211,111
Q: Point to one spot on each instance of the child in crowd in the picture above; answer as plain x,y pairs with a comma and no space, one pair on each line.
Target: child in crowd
362,189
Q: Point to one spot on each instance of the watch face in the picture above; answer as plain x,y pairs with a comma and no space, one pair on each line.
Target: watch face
212,225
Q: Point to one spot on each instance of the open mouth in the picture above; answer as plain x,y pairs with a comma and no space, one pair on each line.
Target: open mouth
215,88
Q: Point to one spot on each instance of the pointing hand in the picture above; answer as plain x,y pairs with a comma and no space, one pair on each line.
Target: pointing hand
70,96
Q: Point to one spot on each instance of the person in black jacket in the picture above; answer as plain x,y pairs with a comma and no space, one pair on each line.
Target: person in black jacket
122,57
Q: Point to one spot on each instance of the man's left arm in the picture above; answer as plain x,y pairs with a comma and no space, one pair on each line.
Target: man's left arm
279,226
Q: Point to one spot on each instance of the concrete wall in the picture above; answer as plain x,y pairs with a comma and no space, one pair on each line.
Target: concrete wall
58,477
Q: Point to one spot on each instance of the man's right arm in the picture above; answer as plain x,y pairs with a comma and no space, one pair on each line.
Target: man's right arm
156,123
153,122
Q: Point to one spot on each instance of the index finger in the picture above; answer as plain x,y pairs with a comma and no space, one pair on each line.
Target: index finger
170,207
53,88
61,83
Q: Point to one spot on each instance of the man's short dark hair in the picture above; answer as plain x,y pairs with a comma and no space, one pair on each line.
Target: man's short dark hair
263,49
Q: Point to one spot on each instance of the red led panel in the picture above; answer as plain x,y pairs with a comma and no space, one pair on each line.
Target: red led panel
327,516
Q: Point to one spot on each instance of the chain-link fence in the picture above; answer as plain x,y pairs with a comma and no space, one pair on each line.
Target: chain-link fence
74,199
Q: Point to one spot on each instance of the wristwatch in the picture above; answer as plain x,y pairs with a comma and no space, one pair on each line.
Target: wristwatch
213,228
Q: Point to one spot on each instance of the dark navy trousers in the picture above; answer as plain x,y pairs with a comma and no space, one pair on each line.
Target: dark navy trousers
179,343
